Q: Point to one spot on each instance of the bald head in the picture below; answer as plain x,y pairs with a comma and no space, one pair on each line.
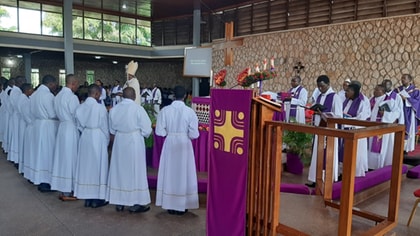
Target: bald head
72,82
129,93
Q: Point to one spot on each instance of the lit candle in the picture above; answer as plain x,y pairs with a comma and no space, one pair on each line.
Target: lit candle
249,70
272,63
265,64
257,68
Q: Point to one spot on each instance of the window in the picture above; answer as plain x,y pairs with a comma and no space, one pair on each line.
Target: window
77,24
8,18
29,17
111,28
5,72
90,76
93,26
62,78
143,33
128,30
52,20
35,77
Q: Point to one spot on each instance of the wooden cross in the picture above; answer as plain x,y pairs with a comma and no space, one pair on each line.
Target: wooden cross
228,44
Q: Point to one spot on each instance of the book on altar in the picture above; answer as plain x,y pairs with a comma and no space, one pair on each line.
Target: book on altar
404,93
315,107
385,107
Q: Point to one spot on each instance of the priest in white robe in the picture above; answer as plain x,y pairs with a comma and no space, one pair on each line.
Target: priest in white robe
14,121
294,105
44,132
132,81
156,99
177,177
384,109
333,104
65,153
6,114
127,180
28,140
23,107
92,158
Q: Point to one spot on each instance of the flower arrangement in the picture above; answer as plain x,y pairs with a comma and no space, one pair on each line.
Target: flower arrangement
246,78
219,78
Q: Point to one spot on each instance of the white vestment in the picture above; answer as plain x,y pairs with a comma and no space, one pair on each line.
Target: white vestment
384,157
3,113
337,110
92,159
13,134
177,176
44,133
28,140
127,180
363,113
22,107
66,146
156,99
5,102
299,102
116,98
134,83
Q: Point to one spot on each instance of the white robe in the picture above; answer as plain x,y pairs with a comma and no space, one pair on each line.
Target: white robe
44,133
337,110
2,112
127,180
157,99
134,83
13,133
92,159
363,113
22,107
66,147
7,114
384,158
28,141
300,101
116,99
177,176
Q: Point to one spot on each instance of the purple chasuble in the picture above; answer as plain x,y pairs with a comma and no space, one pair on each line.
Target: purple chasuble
294,107
354,107
414,99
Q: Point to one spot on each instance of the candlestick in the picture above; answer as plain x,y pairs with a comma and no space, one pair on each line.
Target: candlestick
265,64
257,68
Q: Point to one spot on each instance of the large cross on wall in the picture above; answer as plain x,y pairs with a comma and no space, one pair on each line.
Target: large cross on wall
228,44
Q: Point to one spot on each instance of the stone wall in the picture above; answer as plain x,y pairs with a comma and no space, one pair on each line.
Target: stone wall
165,74
369,51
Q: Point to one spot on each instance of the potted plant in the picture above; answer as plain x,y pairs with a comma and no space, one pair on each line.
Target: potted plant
297,150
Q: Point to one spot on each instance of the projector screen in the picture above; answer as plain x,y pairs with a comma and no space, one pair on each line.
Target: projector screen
197,62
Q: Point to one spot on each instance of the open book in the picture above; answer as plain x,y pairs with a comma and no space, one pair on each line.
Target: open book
316,107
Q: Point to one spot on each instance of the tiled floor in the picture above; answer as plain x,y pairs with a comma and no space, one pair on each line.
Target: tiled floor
25,211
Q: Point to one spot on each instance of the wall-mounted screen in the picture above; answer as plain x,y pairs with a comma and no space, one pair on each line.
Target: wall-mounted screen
197,62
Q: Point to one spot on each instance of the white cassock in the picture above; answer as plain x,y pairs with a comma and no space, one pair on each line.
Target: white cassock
5,102
66,146
28,141
363,113
116,99
127,180
103,96
337,110
342,95
384,157
157,99
22,107
299,101
2,112
92,159
177,176
44,133
134,83
13,134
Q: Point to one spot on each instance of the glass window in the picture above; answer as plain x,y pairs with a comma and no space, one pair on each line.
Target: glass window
5,72
128,30
93,26
35,77
52,20
144,36
62,77
8,18
90,76
77,24
29,17
111,28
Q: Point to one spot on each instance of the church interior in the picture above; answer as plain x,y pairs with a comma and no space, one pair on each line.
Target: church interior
364,40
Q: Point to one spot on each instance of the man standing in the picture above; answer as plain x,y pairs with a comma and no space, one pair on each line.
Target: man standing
127,180
92,158
7,114
390,93
65,153
156,99
116,92
103,92
342,92
132,80
23,109
44,133
411,101
293,105
332,103
177,178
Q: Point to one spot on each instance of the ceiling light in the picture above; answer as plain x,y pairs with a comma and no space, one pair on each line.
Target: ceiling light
19,56
10,62
98,57
124,6
114,62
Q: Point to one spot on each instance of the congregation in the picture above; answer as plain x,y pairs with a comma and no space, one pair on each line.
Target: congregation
61,144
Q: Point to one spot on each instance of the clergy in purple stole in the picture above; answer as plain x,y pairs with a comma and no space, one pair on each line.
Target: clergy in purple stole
380,148
293,105
333,104
355,107
411,100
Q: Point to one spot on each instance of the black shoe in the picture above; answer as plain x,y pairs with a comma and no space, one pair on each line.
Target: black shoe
138,209
311,185
179,213
119,208
98,203
44,188
88,202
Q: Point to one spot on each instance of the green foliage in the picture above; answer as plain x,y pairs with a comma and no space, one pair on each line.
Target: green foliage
151,113
298,143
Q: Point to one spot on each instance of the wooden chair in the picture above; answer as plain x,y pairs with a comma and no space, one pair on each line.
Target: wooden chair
417,194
